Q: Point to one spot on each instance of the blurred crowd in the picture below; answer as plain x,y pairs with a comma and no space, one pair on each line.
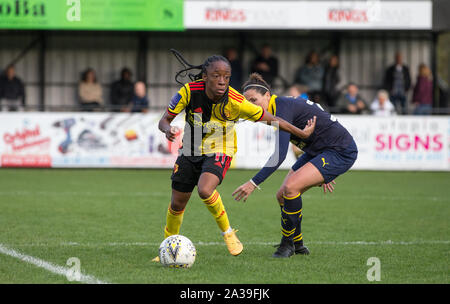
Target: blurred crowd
318,79
126,95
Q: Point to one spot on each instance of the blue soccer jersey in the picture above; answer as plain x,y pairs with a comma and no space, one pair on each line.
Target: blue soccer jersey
328,133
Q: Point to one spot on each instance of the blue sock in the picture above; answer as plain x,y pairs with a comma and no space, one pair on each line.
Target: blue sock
291,215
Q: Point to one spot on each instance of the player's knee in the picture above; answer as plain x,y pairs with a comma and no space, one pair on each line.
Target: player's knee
205,192
179,200
177,205
279,196
290,189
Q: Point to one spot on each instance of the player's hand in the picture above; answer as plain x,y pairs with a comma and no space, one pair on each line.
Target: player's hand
310,126
243,191
171,133
328,187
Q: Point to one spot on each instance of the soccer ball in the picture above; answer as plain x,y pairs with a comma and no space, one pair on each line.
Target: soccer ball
177,251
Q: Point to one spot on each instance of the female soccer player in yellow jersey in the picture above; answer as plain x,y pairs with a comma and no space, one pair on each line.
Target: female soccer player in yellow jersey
209,142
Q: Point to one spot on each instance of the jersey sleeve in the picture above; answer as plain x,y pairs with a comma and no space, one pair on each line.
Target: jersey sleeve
277,158
250,111
179,101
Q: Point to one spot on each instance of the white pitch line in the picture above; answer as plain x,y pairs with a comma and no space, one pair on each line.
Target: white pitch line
60,270
126,244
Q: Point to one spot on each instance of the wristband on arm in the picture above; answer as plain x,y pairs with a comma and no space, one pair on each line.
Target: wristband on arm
254,184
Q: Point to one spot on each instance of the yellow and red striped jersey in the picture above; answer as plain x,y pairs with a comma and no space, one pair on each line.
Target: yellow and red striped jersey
210,127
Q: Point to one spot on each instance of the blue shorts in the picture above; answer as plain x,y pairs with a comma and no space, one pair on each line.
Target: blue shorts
331,163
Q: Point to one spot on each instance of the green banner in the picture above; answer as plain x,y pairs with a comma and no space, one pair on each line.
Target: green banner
136,15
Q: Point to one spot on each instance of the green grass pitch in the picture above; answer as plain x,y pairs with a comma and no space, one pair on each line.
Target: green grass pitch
112,221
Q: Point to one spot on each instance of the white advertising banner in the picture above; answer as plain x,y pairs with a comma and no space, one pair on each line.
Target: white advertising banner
384,143
368,14
133,141
84,140
400,142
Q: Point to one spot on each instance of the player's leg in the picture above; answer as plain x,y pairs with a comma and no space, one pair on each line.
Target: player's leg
297,236
291,215
184,179
322,168
175,211
303,179
207,185
213,172
280,192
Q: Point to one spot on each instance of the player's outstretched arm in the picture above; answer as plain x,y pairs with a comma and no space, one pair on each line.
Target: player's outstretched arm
165,127
274,162
285,126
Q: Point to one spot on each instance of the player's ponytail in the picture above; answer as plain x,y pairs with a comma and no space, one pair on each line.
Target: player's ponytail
186,68
203,69
256,82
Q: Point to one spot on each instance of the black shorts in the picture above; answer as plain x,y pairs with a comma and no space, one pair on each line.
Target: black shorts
187,170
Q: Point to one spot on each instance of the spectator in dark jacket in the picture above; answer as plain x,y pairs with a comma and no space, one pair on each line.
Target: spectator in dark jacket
236,68
397,81
311,74
331,79
12,91
423,92
122,91
139,101
351,102
266,64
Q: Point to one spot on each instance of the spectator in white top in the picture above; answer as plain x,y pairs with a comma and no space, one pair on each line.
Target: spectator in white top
382,106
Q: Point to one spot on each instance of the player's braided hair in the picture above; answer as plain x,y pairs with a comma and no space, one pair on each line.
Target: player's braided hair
256,82
203,69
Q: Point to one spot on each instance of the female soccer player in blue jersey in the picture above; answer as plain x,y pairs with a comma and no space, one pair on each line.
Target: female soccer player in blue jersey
329,152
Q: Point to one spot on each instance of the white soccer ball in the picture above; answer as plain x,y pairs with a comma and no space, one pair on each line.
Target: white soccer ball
177,251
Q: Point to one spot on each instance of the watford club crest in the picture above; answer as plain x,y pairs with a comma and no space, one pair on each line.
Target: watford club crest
227,114
175,168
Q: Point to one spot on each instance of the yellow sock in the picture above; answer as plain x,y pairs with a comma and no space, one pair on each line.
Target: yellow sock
217,209
173,222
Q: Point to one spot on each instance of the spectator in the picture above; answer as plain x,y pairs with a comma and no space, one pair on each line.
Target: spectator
236,68
296,90
90,92
351,102
266,64
12,91
311,75
397,82
122,91
331,79
139,102
423,91
382,106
